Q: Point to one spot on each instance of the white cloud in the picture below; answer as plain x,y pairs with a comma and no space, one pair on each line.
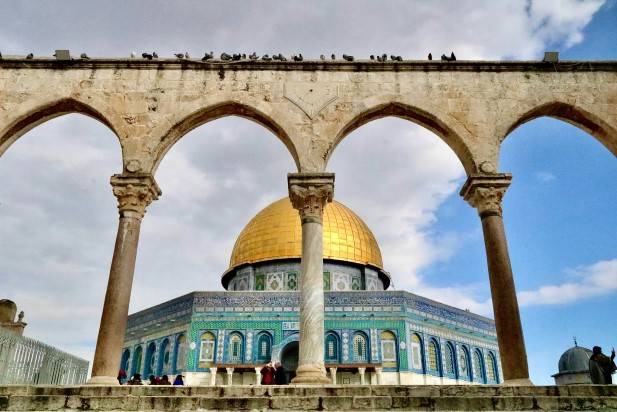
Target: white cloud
597,279
545,177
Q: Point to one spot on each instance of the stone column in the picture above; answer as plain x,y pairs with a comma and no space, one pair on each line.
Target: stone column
378,375
213,370
258,375
333,375
485,193
309,193
134,193
230,376
362,372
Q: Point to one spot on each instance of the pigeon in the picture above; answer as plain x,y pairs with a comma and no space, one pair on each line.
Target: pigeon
275,57
333,56
178,55
266,58
452,57
322,57
243,56
430,56
207,56
444,58
84,56
236,56
372,57
397,58
348,57
154,55
149,56
186,55
133,54
298,58
225,56
30,56
380,58
253,56
384,57
282,58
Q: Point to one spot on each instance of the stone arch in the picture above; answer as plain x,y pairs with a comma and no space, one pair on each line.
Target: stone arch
50,110
214,112
415,115
575,115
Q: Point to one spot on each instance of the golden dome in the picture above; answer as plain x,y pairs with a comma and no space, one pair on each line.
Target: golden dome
276,233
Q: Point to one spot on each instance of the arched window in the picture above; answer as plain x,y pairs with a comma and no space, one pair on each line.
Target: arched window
206,348
359,347
450,360
164,361
150,356
181,351
124,364
264,347
139,352
491,368
463,363
235,347
433,356
388,349
416,352
331,349
478,366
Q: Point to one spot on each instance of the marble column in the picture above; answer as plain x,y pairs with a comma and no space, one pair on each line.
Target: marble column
362,372
309,193
333,375
134,194
258,375
485,193
230,376
213,371
378,375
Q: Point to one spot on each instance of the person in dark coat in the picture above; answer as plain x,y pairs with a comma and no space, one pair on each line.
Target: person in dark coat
267,374
178,381
280,376
601,367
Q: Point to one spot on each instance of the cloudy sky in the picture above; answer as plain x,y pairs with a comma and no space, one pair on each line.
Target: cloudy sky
58,217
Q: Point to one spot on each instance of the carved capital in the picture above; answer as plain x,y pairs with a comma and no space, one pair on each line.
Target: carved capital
134,193
485,192
309,193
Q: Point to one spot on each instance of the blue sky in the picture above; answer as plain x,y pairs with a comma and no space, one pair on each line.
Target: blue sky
401,179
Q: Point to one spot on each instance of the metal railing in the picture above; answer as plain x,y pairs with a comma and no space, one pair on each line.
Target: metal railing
27,361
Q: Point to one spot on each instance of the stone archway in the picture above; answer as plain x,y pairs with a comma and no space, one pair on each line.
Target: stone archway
289,359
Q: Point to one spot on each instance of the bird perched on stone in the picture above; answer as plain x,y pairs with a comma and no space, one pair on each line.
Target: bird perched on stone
275,57
266,58
333,56
379,58
398,58
225,56
430,56
154,55
236,56
84,56
384,57
30,56
322,57
282,58
348,57
444,58
372,57
298,58
253,56
207,56
149,56
452,57
178,55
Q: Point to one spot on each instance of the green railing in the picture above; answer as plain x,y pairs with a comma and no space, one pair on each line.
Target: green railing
27,361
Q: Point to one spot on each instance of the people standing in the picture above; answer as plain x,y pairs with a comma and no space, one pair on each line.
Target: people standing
280,376
601,367
165,380
178,381
267,374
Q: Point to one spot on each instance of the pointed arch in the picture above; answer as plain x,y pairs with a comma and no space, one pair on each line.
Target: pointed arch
592,124
217,111
416,115
332,347
263,349
360,347
48,111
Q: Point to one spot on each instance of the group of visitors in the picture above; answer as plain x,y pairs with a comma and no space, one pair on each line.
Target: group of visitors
273,374
152,380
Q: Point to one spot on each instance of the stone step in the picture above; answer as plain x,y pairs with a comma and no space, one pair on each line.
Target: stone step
461,398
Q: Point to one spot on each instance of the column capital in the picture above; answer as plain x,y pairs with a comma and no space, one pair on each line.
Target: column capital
309,193
486,191
134,193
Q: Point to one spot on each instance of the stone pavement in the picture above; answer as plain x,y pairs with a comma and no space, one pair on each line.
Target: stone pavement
303,398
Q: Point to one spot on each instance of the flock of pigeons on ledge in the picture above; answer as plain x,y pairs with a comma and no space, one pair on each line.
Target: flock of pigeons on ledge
266,57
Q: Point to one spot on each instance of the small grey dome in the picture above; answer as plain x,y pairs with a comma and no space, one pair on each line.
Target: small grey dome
8,309
575,359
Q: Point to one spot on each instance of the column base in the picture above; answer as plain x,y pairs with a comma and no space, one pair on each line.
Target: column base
518,382
311,375
103,381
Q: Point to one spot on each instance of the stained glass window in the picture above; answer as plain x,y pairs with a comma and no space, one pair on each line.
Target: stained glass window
477,365
235,348
359,347
263,348
463,363
432,356
416,352
331,348
206,350
449,364
491,369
